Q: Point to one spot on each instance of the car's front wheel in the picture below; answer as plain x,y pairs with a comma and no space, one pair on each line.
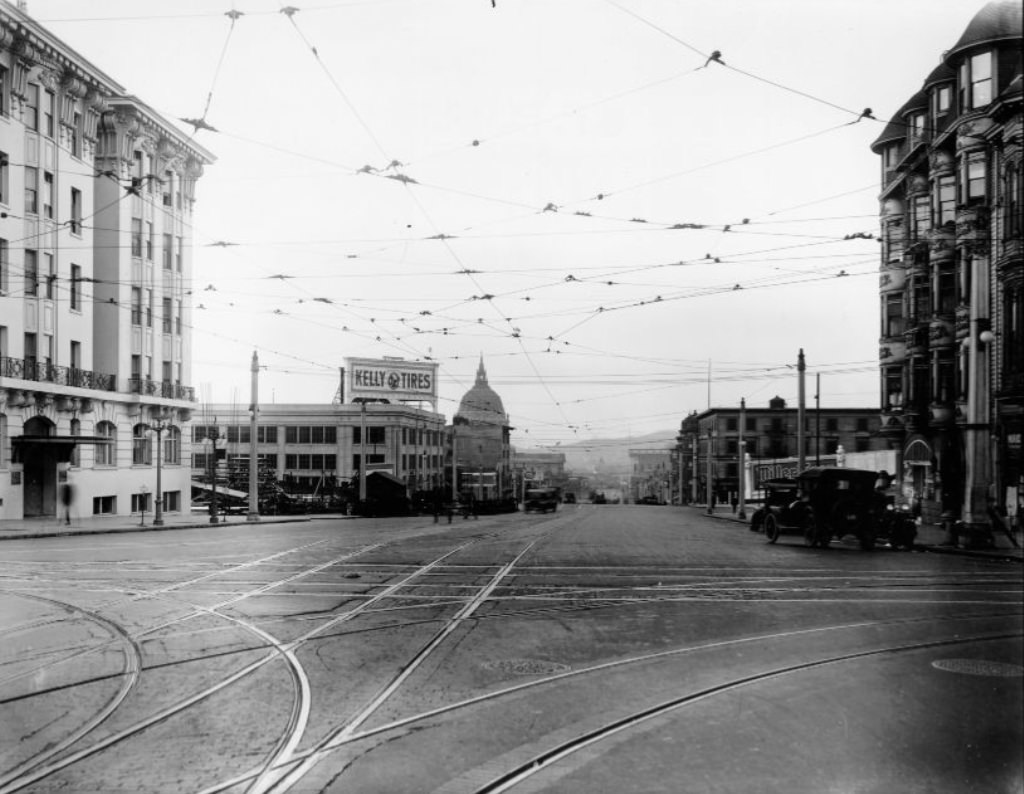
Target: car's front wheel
771,529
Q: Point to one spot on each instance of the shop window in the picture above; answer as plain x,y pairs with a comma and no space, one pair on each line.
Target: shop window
104,505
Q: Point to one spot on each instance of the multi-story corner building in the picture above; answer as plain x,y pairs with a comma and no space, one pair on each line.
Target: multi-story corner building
952,287
310,447
708,444
97,194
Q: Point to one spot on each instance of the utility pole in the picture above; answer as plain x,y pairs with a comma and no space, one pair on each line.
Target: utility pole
455,465
741,470
817,419
710,507
254,409
801,452
362,452
693,471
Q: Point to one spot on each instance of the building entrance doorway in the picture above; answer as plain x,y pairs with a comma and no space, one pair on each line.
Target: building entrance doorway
40,473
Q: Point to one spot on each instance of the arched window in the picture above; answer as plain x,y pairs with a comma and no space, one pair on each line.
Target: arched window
172,445
76,451
106,454
142,449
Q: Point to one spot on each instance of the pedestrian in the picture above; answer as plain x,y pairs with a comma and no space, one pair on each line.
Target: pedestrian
735,502
67,498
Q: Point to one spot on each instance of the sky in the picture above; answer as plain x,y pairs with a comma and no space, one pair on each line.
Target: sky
631,209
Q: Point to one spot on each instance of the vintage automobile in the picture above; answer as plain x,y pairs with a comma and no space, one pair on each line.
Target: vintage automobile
833,503
778,493
541,499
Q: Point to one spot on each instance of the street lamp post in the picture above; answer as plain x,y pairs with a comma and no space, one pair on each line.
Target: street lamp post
161,422
711,436
741,470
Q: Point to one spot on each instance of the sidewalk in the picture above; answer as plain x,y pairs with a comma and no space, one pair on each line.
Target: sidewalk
49,527
930,538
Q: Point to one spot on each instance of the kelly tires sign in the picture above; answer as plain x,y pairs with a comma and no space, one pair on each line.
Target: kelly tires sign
390,379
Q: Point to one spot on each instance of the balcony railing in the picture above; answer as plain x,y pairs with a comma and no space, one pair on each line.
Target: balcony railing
161,388
33,369
40,371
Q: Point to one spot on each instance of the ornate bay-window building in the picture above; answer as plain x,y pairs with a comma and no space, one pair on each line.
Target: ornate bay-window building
952,363
95,345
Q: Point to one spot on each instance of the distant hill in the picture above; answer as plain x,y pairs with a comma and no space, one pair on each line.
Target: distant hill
610,455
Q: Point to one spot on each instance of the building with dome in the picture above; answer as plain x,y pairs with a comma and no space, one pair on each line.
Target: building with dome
480,441
951,290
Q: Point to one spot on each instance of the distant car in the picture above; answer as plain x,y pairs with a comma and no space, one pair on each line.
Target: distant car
649,500
569,499
600,499
542,500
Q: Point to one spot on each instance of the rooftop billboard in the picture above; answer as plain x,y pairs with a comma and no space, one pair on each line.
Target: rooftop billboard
392,379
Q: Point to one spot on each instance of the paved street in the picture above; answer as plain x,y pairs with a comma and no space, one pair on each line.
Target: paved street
601,648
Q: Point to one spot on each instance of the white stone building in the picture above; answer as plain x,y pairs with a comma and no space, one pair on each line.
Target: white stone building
97,195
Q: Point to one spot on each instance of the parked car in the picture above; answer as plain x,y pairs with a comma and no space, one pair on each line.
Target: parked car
833,503
541,500
777,493
569,499
650,500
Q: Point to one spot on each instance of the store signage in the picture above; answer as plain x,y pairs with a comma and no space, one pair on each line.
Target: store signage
390,379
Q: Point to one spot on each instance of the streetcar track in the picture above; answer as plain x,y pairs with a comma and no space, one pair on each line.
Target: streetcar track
541,762
175,708
495,695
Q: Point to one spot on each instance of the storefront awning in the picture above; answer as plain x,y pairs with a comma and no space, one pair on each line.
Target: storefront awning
60,440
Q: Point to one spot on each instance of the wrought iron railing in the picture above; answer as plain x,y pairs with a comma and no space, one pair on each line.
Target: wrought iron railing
43,372
161,388
34,369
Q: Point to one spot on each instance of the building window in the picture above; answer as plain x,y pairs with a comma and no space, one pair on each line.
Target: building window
142,450
892,317
31,189
943,100
31,272
136,305
149,241
5,268
178,254
4,179
48,113
47,194
1013,330
172,446
921,217
945,200
945,298
916,128
168,253
32,107
974,181
137,237
76,211
149,308
76,355
172,501
1013,202
167,318
76,135
76,288
106,453
266,434
5,91
167,185
894,241
104,505
976,82
140,503
51,275
305,435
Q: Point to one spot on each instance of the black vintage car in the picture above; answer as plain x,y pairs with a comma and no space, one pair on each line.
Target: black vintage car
778,493
833,503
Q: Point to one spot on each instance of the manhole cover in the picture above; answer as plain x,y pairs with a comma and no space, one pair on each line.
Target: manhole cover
979,667
527,667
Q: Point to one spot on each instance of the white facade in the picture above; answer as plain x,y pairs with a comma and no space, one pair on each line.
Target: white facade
308,445
96,203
